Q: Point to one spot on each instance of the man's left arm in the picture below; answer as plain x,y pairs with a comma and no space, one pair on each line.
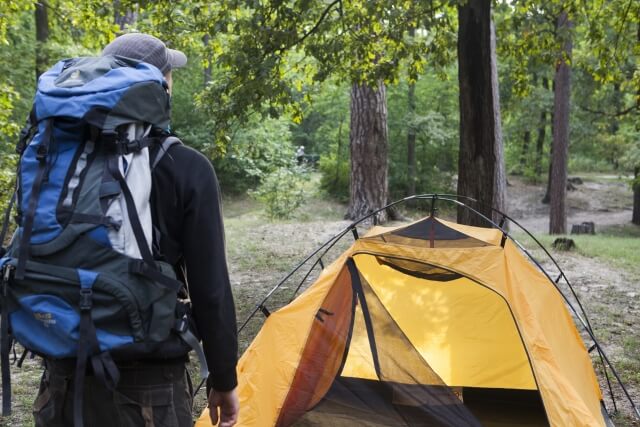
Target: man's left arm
204,253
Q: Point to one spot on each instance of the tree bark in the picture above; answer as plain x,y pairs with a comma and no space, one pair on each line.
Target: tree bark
123,19
42,35
481,171
542,131
561,98
208,69
411,142
526,141
635,218
368,146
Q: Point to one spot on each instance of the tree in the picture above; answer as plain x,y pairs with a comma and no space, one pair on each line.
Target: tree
368,146
562,95
42,35
364,43
480,168
411,134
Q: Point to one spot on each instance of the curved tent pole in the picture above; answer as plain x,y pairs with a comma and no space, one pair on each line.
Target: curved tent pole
453,199
585,323
330,242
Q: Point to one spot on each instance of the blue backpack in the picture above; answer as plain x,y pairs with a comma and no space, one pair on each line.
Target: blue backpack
82,277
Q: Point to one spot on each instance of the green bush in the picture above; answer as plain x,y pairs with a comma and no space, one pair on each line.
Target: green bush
282,191
256,150
335,176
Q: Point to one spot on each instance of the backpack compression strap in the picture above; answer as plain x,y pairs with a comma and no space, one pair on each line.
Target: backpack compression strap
104,369
168,142
42,151
147,266
5,341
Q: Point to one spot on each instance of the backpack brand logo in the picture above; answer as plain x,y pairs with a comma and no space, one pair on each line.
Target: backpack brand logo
45,318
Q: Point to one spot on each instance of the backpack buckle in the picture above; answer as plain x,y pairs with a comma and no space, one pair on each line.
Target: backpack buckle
7,274
41,152
85,299
182,324
109,136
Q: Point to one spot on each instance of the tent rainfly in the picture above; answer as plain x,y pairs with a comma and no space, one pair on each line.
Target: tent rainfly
428,324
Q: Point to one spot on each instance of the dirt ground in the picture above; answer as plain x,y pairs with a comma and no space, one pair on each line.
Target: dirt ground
603,199
610,295
261,253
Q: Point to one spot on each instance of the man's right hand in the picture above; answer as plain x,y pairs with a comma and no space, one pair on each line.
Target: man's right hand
228,404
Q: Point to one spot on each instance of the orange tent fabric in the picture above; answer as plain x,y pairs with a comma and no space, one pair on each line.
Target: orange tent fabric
478,312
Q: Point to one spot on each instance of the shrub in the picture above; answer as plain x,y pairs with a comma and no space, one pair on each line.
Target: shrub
282,191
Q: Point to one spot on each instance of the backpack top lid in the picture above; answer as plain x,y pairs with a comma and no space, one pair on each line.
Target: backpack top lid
106,91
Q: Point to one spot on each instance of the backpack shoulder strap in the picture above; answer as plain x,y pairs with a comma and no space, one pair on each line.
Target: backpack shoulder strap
162,149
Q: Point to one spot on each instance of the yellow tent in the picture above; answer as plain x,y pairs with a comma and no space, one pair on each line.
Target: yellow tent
433,323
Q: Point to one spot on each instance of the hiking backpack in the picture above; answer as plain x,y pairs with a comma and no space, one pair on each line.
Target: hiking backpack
82,277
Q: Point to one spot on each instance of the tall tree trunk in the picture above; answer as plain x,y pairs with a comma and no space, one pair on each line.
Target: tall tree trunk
207,69
542,130
635,218
526,141
42,35
368,146
547,196
481,173
411,134
561,98
123,18
336,178
411,142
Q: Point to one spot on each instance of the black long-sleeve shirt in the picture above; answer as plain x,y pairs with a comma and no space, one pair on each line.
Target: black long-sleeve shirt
187,198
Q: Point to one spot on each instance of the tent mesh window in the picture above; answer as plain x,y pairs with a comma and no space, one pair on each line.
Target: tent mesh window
431,233
401,389
359,368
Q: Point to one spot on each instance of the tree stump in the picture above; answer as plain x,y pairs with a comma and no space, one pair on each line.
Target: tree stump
587,227
576,180
564,244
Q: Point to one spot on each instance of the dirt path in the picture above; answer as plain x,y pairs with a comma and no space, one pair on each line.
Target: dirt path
603,199
611,299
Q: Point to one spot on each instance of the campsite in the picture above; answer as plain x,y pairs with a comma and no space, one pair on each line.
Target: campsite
401,213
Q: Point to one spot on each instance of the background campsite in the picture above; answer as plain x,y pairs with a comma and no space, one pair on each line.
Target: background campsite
382,96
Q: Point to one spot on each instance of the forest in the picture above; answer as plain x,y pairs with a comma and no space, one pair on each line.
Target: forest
315,113
391,98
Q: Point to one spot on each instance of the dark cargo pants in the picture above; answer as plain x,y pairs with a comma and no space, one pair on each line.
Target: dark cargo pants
148,395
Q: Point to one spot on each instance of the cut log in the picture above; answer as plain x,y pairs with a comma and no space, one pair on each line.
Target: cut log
587,227
564,244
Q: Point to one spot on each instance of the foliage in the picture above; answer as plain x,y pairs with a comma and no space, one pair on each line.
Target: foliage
435,122
270,54
282,191
255,151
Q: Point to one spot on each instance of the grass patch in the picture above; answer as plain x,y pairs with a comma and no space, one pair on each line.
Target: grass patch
619,245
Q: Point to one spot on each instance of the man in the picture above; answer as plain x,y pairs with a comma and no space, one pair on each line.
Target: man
186,196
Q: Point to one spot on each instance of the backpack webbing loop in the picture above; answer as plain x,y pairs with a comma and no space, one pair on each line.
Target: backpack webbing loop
5,222
5,342
142,268
27,132
25,239
103,366
182,328
132,213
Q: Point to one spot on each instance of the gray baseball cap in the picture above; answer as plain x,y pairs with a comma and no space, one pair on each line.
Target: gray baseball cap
146,48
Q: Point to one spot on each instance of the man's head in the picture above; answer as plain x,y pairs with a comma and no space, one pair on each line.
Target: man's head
149,49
